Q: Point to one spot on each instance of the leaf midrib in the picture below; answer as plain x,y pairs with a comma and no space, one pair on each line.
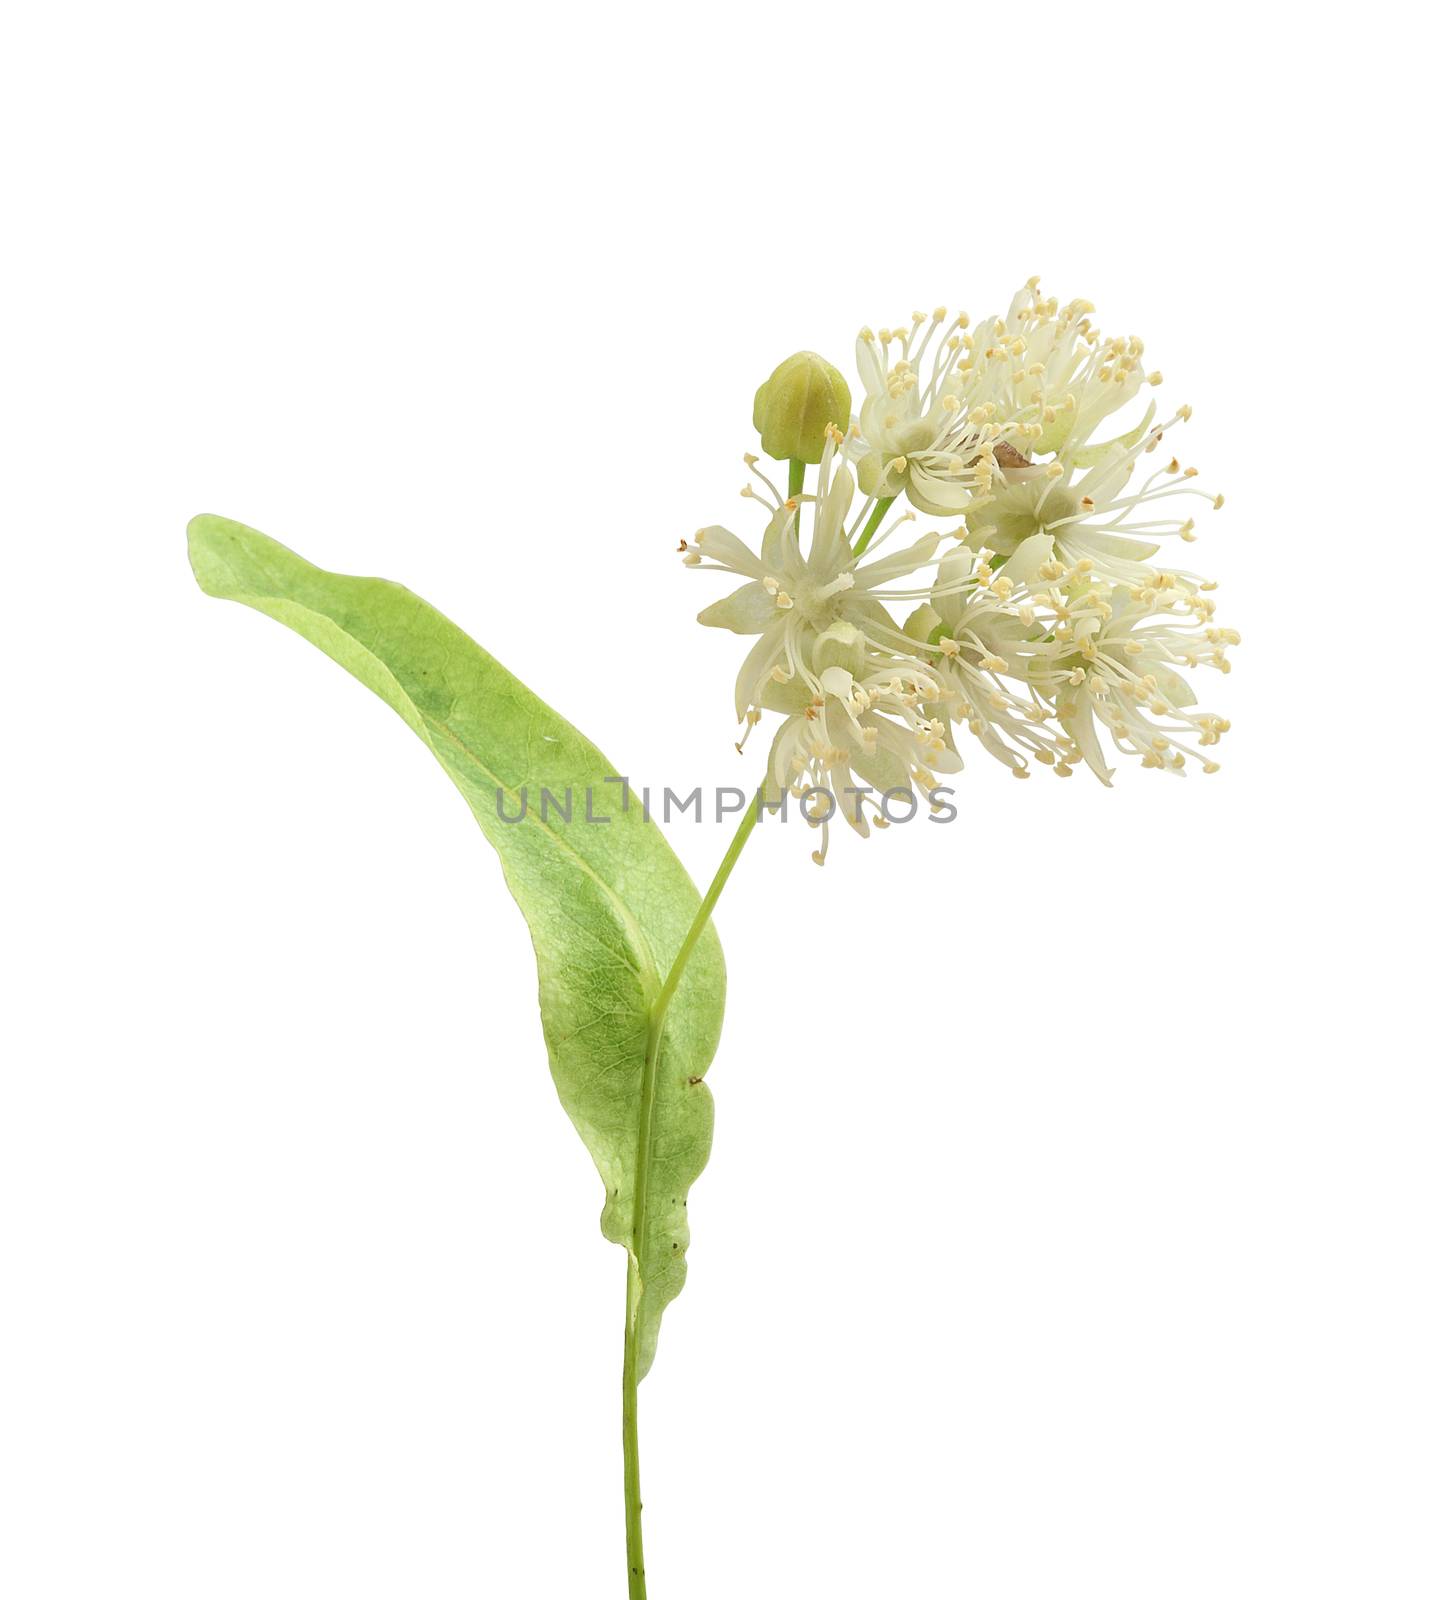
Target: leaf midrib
648,976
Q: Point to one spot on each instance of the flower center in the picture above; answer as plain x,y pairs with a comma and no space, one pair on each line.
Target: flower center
1020,510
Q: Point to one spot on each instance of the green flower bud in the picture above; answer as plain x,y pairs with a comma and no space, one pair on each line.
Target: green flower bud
793,409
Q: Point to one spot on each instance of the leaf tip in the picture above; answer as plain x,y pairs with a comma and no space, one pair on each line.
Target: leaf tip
200,535
211,543
199,529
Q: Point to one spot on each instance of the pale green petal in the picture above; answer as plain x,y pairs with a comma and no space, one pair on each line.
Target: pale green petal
717,544
780,539
938,497
1173,687
922,620
840,497
790,698
837,681
1092,455
1023,566
1111,544
757,664
954,569
1103,482
747,610
904,561
875,478
1077,718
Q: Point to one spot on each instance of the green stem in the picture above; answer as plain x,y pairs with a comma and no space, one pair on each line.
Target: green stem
876,516
795,479
632,1481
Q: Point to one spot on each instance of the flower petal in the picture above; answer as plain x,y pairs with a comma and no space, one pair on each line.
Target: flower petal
747,610
937,496
1092,455
753,675
837,681
829,550
1077,718
1110,544
954,569
728,550
896,565
1023,566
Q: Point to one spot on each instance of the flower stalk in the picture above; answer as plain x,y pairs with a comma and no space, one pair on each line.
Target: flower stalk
871,527
632,1474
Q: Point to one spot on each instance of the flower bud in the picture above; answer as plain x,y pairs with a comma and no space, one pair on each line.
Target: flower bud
793,409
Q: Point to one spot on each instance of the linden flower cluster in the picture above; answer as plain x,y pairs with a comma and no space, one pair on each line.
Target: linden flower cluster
1040,623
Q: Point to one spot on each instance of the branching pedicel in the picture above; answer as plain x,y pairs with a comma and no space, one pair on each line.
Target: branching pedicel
1033,623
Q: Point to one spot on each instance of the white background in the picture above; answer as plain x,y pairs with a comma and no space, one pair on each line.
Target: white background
1073,1227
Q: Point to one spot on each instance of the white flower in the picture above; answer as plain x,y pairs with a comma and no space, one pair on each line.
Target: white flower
1054,380
868,736
1117,660
1053,373
930,437
791,598
1091,514
827,650
981,621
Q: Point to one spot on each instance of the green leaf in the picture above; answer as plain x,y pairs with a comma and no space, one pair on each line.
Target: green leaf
607,902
